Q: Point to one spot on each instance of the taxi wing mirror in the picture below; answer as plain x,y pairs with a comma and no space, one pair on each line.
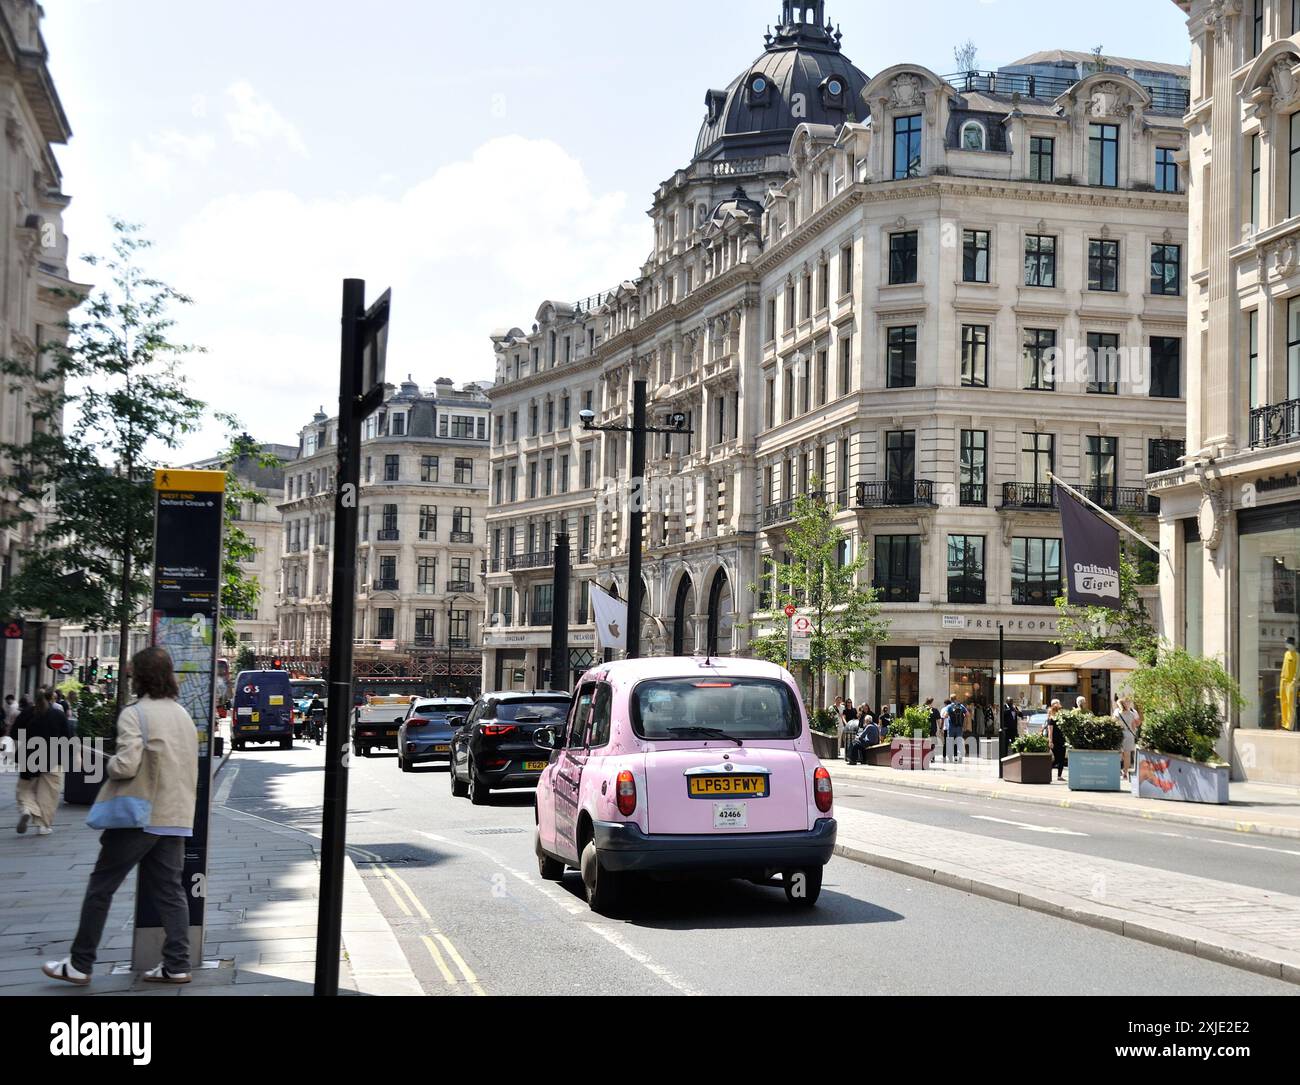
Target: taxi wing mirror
546,738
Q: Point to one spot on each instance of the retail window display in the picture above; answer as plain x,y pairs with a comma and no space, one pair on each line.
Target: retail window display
1269,625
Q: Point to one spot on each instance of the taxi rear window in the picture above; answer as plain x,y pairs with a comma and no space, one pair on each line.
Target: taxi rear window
685,709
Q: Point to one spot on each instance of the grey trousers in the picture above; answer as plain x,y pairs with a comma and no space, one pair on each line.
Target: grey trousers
162,861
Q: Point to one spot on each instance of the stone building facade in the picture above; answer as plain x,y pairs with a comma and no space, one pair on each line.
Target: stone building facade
917,317
423,501
35,258
1230,514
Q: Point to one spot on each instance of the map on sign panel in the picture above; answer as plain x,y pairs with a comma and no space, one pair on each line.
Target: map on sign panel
188,641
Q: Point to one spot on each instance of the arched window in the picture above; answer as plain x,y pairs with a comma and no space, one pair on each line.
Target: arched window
972,136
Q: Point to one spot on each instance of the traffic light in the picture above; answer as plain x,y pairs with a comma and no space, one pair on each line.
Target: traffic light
81,674
277,664
94,669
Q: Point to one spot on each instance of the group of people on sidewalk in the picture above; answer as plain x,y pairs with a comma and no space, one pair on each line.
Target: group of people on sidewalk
145,808
955,723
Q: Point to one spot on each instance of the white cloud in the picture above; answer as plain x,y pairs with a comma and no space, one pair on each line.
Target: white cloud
476,246
254,122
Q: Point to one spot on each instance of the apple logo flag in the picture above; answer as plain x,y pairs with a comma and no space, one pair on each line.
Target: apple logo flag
611,618
1091,555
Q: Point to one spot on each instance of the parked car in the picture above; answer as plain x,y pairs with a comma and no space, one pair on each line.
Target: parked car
699,767
493,746
1034,724
425,734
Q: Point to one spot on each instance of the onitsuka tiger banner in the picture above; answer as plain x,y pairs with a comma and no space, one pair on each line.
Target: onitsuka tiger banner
1091,555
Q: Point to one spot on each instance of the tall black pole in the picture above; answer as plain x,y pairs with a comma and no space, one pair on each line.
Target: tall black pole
329,927
449,605
560,616
636,495
1003,738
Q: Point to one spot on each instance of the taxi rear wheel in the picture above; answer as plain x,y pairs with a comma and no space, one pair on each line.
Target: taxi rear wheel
803,887
604,888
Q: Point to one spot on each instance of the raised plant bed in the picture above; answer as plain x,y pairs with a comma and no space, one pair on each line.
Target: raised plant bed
1028,768
911,754
1095,770
881,755
826,747
1179,779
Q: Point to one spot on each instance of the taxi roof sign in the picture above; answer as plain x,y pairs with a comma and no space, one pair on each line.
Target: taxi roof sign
208,482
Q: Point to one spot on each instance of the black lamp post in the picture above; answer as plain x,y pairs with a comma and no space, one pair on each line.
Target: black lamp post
638,429
450,604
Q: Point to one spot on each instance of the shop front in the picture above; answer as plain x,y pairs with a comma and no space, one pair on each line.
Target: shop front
1268,624
975,669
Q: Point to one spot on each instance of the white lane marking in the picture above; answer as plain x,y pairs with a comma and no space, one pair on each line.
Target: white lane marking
1026,825
618,942
223,792
1253,847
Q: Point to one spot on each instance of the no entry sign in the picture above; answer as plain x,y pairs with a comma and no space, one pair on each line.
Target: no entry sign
55,661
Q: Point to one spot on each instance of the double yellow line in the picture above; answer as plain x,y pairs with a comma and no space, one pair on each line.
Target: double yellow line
393,882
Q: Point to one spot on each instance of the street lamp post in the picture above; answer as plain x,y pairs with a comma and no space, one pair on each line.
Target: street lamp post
450,603
638,429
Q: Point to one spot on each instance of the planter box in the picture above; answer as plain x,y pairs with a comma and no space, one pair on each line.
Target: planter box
1095,770
911,754
1028,768
881,755
1178,779
826,747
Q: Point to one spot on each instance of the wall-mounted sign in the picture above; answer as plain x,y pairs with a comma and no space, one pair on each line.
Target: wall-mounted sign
954,621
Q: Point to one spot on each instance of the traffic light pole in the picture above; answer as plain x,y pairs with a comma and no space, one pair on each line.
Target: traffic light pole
329,932
559,676
637,499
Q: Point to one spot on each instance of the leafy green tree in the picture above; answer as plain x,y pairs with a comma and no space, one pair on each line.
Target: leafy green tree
1094,628
105,406
1180,680
846,620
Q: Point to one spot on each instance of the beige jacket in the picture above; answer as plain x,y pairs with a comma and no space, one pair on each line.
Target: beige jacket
174,747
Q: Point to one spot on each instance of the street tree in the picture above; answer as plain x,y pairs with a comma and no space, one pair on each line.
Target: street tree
105,406
240,593
845,615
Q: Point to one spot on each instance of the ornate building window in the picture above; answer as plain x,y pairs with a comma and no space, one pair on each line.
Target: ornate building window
972,136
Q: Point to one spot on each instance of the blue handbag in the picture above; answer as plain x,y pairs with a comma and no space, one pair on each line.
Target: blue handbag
126,804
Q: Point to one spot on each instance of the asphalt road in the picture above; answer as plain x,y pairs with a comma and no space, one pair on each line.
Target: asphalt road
459,886
1264,862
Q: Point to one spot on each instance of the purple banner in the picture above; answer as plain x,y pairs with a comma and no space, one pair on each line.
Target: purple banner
1091,555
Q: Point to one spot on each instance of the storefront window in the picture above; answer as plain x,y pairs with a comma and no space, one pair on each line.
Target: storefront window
897,680
1193,589
1268,571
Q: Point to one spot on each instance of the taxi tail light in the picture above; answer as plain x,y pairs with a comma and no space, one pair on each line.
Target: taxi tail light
496,730
625,793
822,792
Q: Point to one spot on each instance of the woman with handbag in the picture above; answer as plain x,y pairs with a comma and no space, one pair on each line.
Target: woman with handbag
146,809
40,781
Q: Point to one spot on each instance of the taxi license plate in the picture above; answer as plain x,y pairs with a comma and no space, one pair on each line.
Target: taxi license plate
442,749
710,787
534,766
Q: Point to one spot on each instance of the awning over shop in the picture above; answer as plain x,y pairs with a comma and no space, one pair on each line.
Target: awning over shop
1089,661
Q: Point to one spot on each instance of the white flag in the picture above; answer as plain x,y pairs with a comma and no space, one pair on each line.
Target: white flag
611,618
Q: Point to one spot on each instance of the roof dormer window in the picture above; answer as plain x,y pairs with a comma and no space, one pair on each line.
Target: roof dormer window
758,91
973,136
833,92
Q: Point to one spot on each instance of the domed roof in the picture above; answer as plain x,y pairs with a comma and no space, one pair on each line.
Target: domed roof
736,204
802,77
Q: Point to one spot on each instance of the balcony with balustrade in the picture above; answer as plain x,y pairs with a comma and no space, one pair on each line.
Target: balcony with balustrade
894,493
542,559
1275,424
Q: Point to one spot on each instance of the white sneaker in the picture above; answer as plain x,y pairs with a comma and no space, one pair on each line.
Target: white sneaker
161,975
43,830
63,970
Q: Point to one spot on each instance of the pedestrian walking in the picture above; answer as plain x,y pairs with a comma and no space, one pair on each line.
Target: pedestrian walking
1130,720
1079,702
10,714
1056,739
1010,726
148,800
934,717
955,717
40,780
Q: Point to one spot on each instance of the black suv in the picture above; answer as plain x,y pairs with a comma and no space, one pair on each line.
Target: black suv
493,746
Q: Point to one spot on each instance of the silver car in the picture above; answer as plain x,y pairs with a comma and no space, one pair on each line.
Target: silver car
425,734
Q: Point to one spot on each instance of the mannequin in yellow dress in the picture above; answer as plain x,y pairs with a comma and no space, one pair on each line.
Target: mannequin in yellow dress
1287,684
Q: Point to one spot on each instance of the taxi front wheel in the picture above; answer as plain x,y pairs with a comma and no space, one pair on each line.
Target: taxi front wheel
803,887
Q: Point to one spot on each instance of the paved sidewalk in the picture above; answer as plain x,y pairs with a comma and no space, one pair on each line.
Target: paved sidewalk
1255,808
1237,925
261,915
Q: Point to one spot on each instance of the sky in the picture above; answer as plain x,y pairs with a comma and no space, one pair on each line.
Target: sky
476,158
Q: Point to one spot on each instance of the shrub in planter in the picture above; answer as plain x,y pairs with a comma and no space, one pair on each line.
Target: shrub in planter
1084,731
825,721
912,721
1185,731
1035,743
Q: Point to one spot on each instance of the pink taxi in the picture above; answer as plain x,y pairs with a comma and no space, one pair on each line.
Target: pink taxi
670,767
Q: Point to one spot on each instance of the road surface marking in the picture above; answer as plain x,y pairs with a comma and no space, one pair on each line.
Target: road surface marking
396,897
436,954
1253,847
388,872
616,940
223,792
912,794
465,970
1026,825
